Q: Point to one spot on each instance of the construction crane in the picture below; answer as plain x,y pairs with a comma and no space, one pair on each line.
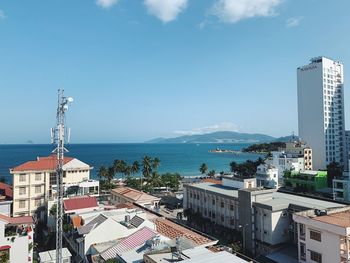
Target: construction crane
58,137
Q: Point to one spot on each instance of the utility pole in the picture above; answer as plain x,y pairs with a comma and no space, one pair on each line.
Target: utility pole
58,136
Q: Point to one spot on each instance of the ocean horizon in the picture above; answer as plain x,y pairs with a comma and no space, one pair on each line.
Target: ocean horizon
184,159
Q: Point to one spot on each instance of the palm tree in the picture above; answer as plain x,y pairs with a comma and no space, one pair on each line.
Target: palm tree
203,168
154,181
155,163
147,166
135,167
119,166
110,175
127,171
211,173
102,172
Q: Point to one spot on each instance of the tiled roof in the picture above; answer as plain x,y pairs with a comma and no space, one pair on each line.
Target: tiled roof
133,241
134,195
172,230
41,164
76,203
124,205
341,219
211,180
6,190
136,221
17,220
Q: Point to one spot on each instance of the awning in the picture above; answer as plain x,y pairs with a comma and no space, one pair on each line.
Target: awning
4,247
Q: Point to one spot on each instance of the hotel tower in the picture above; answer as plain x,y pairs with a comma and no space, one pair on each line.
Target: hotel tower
321,110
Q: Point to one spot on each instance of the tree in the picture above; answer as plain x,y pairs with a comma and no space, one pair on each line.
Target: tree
102,172
147,166
53,210
110,176
133,183
127,171
203,168
211,173
119,166
155,163
171,180
135,167
154,181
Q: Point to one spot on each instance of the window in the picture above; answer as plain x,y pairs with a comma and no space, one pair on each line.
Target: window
315,235
302,251
37,202
213,215
222,205
231,207
213,202
38,177
222,218
232,221
22,177
22,204
38,189
317,257
22,190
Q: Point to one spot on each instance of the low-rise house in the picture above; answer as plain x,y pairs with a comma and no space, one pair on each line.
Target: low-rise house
6,195
34,182
306,180
50,256
80,204
129,195
16,239
193,255
299,149
323,235
267,176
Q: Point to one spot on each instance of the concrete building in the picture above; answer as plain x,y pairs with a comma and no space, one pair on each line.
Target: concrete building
285,162
34,182
50,256
267,176
347,139
193,255
6,195
299,149
306,180
263,216
122,195
321,110
16,239
323,235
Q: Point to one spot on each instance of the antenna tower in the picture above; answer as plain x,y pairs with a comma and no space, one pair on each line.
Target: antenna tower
58,138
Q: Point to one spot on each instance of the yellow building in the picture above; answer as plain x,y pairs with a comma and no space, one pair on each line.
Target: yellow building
34,182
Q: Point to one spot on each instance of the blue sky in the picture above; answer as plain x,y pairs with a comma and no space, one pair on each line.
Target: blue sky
140,69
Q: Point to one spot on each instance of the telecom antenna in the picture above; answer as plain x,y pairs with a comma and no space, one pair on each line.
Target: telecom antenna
58,138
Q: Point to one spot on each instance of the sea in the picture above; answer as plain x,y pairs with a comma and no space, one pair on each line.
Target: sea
184,159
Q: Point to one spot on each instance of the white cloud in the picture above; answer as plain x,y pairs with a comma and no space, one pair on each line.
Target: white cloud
165,10
232,11
293,21
224,126
106,3
2,14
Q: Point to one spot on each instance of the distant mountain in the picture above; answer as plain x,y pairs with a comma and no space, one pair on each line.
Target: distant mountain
218,137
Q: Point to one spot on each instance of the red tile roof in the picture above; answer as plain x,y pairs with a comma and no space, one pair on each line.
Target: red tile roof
6,190
134,195
172,230
41,164
17,220
76,203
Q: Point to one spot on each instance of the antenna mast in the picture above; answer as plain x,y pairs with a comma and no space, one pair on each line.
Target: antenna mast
58,138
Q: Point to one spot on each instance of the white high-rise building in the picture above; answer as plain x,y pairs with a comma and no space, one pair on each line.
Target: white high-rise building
321,110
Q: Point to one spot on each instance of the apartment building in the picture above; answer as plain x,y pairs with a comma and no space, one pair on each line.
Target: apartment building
16,239
299,149
323,235
267,176
321,110
306,180
285,162
264,216
34,182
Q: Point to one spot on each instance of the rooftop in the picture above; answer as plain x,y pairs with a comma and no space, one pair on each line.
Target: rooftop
76,203
49,256
17,220
134,195
41,164
6,191
172,230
